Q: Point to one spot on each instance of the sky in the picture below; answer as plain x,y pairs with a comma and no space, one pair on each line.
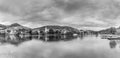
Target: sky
88,14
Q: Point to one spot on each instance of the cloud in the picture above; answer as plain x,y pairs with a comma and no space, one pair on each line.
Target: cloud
105,10
21,7
72,6
77,12
7,19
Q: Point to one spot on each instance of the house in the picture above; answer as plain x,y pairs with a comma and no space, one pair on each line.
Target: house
64,31
17,30
35,31
2,31
118,31
10,31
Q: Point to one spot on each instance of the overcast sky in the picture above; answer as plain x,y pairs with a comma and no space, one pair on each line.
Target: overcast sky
75,13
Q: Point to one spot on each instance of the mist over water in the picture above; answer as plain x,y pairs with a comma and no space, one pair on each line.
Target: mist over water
89,47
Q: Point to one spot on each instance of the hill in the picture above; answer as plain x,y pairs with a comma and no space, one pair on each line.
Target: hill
56,27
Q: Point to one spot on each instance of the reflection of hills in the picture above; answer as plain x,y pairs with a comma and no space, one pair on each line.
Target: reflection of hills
12,39
16,40
55,38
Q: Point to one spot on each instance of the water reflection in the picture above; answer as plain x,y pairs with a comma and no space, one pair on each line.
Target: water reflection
113,44
16,40
51,38
12,39
88,46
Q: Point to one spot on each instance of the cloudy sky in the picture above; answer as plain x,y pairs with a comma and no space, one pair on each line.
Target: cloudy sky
93,14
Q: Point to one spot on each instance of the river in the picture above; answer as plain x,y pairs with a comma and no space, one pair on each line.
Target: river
80,47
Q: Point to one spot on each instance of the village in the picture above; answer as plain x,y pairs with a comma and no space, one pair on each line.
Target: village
16,33
17,29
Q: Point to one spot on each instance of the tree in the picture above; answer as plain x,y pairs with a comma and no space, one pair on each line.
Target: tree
51,31
112,30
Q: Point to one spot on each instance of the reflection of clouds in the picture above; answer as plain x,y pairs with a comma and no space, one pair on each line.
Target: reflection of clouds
69,49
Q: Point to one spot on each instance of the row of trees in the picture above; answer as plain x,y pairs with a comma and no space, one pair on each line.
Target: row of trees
52,32
111,30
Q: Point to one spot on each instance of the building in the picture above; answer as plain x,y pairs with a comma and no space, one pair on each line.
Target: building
64,31
2,31
11,31
17,30
118,31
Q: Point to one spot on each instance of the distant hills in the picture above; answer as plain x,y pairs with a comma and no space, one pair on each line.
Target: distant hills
16,26
111,30
54,27
13,29
2,26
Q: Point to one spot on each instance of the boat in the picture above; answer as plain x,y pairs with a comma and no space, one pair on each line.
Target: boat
116,38
111,37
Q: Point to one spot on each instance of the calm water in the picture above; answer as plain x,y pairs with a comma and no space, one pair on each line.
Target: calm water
89,46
